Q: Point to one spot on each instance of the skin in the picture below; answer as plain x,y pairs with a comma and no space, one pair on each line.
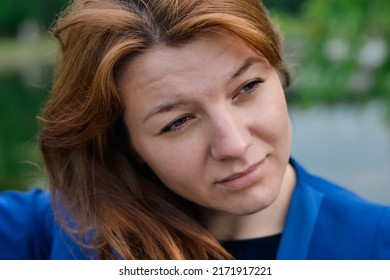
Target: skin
210,119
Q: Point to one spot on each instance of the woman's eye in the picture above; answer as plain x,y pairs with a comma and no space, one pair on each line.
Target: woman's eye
177,124
249,87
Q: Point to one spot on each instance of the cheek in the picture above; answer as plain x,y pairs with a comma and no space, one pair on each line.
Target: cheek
174,162
181,172
280,118
272,117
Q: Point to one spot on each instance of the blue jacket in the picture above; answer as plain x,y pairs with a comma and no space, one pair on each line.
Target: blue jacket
324,221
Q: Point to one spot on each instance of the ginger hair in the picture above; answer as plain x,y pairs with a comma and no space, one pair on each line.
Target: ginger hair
113,204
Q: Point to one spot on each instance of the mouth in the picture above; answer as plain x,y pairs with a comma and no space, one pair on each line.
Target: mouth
241,180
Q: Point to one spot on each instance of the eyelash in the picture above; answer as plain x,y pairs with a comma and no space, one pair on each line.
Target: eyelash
252,84
173,126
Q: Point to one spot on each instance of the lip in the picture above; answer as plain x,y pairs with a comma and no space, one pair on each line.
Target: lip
244,179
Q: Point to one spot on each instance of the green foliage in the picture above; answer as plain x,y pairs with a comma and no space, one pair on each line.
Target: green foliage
19,159
288,6
13,13
341,49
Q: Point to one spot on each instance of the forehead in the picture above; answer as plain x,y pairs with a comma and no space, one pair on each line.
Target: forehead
205,54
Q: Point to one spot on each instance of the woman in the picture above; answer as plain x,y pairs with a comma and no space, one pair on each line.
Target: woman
167,137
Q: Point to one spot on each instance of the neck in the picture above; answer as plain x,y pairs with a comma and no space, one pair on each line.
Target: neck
265,222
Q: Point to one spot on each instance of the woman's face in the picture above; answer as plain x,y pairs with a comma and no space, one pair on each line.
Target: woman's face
210,119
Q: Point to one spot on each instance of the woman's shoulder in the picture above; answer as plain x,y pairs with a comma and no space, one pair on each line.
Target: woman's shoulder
26,219
360,228
14,199
28,228
331,192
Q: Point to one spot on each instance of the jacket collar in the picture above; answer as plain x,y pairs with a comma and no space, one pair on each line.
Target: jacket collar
301,218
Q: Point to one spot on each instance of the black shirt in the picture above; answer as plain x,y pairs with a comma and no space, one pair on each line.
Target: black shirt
263,248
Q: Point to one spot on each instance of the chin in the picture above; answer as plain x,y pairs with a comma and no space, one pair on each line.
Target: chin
256,203
250,208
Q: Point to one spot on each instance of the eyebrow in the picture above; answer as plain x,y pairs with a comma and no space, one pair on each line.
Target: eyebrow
169,106
166,107
245,66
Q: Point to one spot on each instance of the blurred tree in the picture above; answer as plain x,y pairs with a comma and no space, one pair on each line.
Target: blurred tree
289,6
341,49
13,14
19,105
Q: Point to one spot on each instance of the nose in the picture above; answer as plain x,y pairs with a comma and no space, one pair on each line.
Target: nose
230,137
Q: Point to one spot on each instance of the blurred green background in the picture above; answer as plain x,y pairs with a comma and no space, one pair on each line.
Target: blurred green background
338,50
